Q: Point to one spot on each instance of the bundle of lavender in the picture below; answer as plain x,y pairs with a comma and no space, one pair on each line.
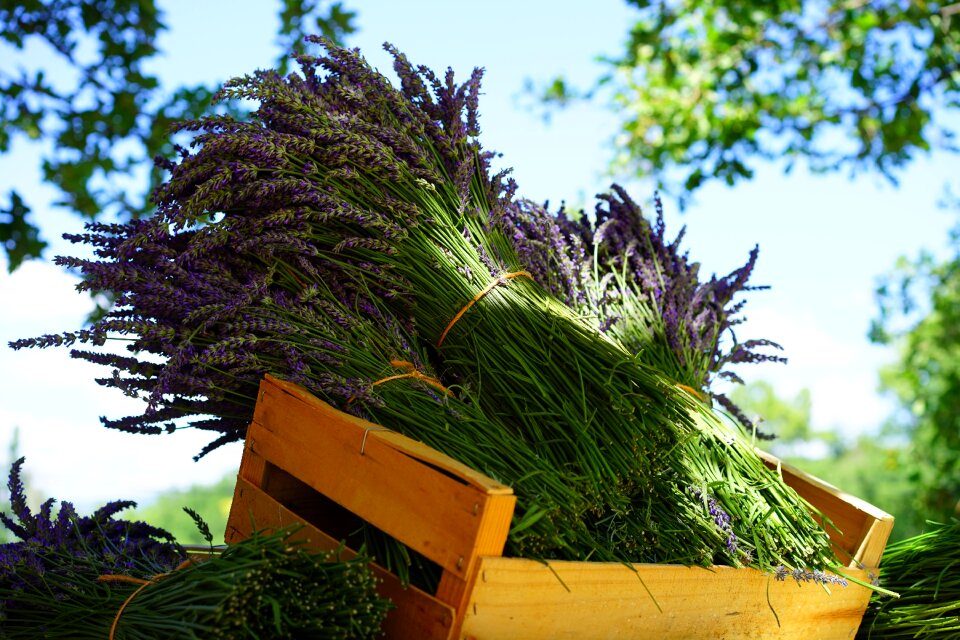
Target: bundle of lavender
923,570
639,288
352,237
97,577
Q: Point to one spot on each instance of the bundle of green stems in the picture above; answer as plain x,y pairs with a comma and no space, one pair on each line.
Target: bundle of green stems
351,228
266,586
925,571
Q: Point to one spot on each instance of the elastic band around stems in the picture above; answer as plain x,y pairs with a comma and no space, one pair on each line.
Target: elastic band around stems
411,373
696,394
143,585
501,279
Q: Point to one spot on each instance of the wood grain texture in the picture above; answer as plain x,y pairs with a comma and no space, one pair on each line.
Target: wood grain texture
517,598
400,486
417,614
411,447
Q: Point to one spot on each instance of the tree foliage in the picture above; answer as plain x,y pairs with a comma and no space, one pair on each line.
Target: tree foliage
103,114
787,420
210,501
704,89
870,467
919,313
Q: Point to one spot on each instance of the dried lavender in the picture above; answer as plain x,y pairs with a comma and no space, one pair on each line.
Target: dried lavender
642,289
69,577
68,547
264,586
923,570
126,545
781,573
387,198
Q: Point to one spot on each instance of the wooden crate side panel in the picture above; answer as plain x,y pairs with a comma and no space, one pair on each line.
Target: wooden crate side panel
455,590
417,615
426,510
445,518
870,552
860,530
523,598
409,446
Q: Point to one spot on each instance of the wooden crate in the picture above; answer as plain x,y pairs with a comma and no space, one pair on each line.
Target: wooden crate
306,462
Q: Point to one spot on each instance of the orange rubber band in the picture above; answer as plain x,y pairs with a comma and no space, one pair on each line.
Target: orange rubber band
502,279
696,394
143,585
411,373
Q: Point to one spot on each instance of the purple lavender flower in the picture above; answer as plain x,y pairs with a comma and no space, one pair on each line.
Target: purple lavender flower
720,518
805,575
113,546
691,315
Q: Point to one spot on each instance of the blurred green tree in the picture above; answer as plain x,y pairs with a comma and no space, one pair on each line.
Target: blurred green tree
211,501
113,115
919,314
871,467
788,420
706,88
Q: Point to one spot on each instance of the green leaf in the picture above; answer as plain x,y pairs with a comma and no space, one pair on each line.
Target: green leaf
21,239
787,75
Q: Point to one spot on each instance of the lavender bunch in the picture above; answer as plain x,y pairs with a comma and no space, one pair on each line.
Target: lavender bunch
224,321
640,288
923,570
430,218
387,197
96,577
266,586
69,548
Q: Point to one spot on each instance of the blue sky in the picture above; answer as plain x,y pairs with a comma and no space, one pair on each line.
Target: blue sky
823,239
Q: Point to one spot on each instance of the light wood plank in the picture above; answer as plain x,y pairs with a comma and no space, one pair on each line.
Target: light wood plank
515,598
409,446
447,517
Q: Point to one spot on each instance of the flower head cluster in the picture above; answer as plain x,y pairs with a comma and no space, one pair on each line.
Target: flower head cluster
781,573
117,546
322,595
643,289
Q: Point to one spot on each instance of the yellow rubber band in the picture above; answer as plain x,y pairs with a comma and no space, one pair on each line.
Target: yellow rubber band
502,279
143,585
696,394
411,373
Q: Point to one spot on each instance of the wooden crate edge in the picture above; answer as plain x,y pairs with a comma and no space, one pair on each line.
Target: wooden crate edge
875,525
564,599
408,446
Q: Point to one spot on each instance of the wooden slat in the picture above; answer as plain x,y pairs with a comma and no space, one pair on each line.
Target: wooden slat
860,530
454,590
252,466
515,598
448,515
409,446
417,614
